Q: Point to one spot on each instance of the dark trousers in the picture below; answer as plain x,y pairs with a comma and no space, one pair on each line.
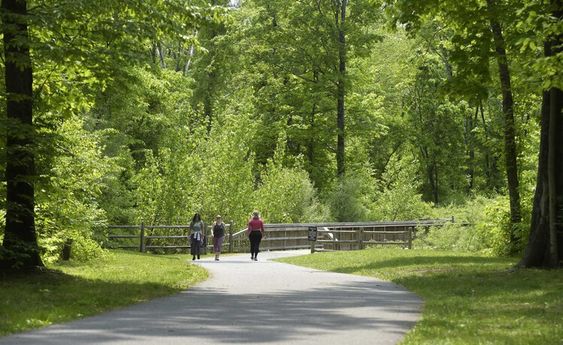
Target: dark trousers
255,238
195,247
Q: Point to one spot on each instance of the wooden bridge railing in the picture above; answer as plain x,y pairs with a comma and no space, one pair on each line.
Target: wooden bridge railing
337,236
160,237
328,236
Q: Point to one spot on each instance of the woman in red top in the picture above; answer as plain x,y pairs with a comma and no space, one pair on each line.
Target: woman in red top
255,231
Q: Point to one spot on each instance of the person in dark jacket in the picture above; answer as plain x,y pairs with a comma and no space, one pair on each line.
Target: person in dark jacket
218,236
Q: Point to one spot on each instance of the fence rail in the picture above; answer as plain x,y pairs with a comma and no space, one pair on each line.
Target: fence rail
145,237
328,236
339,236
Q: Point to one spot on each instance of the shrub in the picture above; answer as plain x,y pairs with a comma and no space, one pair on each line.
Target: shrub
351,198
495,228
481,224
286,194
452,236
84,249
397,197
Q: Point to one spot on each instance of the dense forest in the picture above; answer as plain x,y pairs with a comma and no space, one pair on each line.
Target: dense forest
122,112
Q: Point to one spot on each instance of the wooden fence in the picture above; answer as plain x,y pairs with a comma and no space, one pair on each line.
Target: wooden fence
155,237
337,236
316,236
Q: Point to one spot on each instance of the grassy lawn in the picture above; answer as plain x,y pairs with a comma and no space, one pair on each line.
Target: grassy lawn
469,299
73,290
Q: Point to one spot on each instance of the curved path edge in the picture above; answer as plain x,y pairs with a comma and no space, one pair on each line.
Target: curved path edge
243,301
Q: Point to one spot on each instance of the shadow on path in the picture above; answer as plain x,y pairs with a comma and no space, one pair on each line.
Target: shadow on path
305,307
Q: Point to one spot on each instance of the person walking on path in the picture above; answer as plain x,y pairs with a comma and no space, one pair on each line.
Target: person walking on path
197,235
218,236
255,231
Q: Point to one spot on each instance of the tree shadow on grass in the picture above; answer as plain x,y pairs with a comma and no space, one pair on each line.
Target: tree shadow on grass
500,306
51,296
437,262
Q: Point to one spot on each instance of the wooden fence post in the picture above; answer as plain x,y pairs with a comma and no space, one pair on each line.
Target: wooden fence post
142,238
334,241
409,239
361,238
67,249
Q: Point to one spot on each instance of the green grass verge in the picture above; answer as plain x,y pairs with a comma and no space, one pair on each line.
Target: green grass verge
73,290
468,298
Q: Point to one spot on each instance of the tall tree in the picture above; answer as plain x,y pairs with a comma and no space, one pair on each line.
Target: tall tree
434,127
477,28
76,49
508,111
20,239
545,246
300,54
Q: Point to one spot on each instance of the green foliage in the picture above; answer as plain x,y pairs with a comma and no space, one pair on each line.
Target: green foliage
451,236
227,179
290,55
496,230
67,200
481,224
195,172
536,25
84,248
350,200
285,195
435,126
149,183
152,111
79,48
397,197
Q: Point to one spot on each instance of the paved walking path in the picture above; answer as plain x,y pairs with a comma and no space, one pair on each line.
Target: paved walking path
246,302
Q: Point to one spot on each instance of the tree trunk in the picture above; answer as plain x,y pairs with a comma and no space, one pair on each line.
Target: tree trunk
208,101
160,54
179,57
545,245
20,241
434,172
509,123
470,124
340,17
311,140
554,172
540,249
191,53
211,78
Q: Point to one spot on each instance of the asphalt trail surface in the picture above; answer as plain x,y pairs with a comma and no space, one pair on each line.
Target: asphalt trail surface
247,302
